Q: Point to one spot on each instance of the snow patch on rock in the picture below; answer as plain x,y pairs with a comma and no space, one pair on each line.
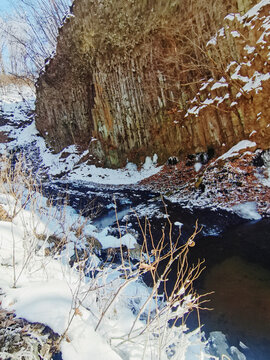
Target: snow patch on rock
247,210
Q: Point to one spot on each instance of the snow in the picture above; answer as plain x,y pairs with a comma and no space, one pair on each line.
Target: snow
233,16
237,76
179,224
221,32
235,33
205,84
50,302
242,345
12,102
236,352
128,175
197,166
46,285
49,291
252,133
255,82
221,83
87,344
246,80
249,49
218,343
109,241
247,210
244,144
11,94
42,287
266,159
44,302
195,110
208,101
149,162
253,12
221,99
212,41
230,17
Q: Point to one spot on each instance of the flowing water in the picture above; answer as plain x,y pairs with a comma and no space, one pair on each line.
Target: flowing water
238,271
237,254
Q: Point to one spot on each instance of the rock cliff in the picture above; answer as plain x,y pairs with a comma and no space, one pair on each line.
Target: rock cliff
133,78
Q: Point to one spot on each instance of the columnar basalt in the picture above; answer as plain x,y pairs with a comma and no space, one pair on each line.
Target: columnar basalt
131,79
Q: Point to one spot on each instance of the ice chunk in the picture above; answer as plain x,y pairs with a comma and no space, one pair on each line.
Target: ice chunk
155,159
236,352
247,210
131,167
148,163
197,166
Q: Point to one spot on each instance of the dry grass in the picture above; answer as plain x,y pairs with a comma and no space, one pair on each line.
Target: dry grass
162,40
4,215
163,324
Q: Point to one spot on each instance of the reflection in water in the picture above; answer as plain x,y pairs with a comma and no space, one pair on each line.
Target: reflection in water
241,304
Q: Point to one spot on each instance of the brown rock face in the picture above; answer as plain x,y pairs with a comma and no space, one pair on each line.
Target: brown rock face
134,78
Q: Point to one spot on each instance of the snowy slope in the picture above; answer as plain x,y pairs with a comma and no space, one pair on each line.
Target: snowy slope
93,313
16,104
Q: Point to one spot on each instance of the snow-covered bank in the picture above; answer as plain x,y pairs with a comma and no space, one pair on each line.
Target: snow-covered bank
239,176
72,169
46,287
17,104
99,310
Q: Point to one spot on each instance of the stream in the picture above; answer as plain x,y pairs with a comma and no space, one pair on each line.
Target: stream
236,253
238,271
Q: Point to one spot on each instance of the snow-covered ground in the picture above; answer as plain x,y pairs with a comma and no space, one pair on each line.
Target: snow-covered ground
15,104
100,315
40,285
101,311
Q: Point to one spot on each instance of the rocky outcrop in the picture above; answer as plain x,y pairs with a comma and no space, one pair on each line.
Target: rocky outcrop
236,177
132,80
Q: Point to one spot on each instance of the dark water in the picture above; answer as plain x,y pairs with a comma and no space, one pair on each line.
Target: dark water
241,304
238,271
236,253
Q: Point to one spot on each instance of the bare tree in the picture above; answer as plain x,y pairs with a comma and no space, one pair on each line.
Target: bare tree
29,34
